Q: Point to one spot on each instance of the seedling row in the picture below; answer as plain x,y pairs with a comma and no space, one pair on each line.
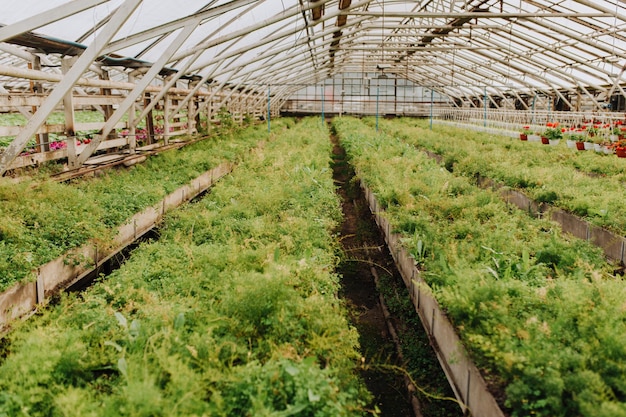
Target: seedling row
41,219
540,313
587,184
232,311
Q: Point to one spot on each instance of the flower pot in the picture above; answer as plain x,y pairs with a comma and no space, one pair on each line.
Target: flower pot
620,152
571,144
607,150
534,138
597,147
545,140
614,138
523,136
580,146
588,146
554,142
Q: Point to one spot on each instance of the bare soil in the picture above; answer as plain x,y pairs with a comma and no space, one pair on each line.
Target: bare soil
364,246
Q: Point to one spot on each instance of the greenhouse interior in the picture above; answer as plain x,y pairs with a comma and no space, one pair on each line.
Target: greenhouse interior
313,208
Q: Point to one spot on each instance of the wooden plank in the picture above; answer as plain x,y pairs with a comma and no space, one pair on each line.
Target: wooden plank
20,100
611,244
37,158
148,147
145,221
465,379
172,200
570,223
15,130
17,301
98,100
113,143
177,133
63,269
103,159
96,126
57,128
68,109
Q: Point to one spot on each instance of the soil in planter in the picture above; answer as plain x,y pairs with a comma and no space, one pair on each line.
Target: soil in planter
364,247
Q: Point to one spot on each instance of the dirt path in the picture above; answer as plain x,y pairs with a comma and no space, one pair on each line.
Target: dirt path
362,246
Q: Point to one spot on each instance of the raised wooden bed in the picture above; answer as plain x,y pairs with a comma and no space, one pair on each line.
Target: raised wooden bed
74,265
465,379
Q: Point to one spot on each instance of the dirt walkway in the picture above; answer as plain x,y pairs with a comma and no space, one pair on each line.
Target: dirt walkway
363,246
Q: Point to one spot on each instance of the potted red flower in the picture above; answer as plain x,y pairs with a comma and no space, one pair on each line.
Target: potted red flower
620,149
552,134
524,133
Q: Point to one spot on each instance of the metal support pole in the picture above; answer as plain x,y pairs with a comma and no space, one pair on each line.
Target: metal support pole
322,88
532,119
485,99
377,96
549,108
432,103
269,113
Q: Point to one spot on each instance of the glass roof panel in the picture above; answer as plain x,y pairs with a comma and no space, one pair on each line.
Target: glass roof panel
521,44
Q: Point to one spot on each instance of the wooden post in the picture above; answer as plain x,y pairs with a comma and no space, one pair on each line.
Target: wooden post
149,120
132,139
209,115
191,106
107,108
167,109
197,118
43,139
68,108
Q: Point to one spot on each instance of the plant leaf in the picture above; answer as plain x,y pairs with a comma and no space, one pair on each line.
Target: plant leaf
276,254
492,272
179,321
113,344
121,319
193,351
135,326
292,370
121,365
313,397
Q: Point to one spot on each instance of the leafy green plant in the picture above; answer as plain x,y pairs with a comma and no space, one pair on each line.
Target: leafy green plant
41,219
533,307
576,179
231,312
417,248
553,131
